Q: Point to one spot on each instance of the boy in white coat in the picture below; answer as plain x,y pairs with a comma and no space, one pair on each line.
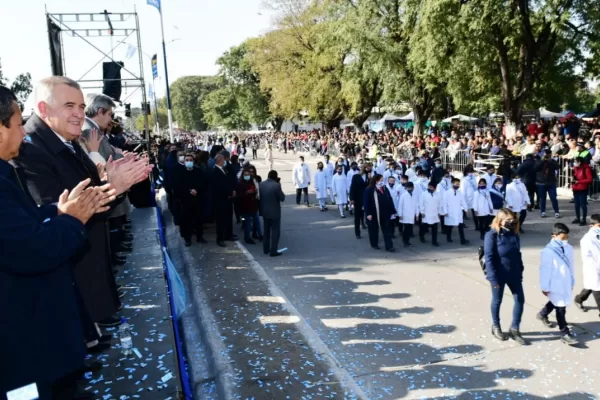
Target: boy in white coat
338,188
408,211
396,189
590,254
321,186
430,204
301,180
557,278
517,199
453,206
468,186
483,207
328,167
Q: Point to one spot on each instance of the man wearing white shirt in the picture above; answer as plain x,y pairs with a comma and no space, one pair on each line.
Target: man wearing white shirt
517,198
301,180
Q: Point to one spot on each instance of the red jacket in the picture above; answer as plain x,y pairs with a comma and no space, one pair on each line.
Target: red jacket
583,176
246,191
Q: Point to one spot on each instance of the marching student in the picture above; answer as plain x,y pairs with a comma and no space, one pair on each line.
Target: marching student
390,171
483,207
497,195
468,187
328,167
396,190
321,186
301,180
408,211
557,279
445,183
338,188
490,176
430,209
517,199
590,255
453,205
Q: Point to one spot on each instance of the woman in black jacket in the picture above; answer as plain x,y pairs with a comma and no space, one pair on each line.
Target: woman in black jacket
379,211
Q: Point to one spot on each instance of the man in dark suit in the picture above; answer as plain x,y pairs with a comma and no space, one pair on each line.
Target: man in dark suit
271,197
53,161
357,189
224,193
42,336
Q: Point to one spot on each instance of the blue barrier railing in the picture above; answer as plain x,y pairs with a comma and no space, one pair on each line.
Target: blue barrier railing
185,378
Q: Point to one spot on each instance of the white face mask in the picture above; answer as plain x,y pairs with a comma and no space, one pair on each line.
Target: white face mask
565,242
181,158
516,180
498,187
380,184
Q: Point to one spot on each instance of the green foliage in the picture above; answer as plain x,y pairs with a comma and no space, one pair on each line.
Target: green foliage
163,118
223,108
21,86
187,95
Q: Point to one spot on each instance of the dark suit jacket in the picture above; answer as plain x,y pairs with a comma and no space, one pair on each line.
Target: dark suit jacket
357,189
51,168
271,197
223,186
41,336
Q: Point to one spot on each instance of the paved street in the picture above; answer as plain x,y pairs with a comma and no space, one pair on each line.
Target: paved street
333,318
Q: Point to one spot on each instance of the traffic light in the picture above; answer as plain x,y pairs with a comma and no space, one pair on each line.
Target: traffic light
128,110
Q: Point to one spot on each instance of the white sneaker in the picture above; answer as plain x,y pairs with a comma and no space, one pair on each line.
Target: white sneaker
543,215
556,215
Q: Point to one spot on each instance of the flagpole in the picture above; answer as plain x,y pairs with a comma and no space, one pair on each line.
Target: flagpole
169,112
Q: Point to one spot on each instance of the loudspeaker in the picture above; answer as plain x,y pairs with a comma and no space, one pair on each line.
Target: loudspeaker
128,110
56,56
111,74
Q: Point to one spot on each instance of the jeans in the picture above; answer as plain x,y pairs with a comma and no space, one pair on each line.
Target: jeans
519,297
551,191
560,316
580,197
251,224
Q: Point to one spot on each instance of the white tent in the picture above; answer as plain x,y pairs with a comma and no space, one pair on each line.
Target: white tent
408,117
390,117
545,114
460,117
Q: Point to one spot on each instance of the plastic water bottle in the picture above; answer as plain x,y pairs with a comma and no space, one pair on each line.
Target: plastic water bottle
125,336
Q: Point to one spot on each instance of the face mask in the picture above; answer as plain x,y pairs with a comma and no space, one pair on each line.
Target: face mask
509,225
596,232
498,187
398,171
189,164
403,184
456,187
224,163
516,180
181,158
482,187
339,172
490,172
564,242
380,184
409,190
247,178
438,165
576,164
391,184
355,168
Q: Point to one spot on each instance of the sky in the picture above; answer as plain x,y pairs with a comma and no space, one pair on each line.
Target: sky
197,32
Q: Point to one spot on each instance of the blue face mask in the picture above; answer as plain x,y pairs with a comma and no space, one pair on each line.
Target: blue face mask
189,164
247,177
224,163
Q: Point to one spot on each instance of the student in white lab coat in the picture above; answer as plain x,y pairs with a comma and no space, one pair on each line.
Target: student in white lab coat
517,198
301,180
338,188
442,187
468,186
430,204
453,205
408,211
490,176
328,168
590,254
321,186
390,171
557,279
380,165
483,207
396,190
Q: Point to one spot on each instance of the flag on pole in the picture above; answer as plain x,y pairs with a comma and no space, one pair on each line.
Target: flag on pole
130,51
154,3
154,67
150,92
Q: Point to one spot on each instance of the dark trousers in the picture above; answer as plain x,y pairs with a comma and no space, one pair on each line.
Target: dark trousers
461,233
299,195
560,315
271,237
522,216
224,220
531,191
483,223
585,293
519,297
550,190
434,231
251,224
254,154
580,197
358,219
386,230
190,222
442,218
475,220
407,232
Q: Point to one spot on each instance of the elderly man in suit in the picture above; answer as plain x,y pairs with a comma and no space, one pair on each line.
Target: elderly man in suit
42,336
53,161
271,197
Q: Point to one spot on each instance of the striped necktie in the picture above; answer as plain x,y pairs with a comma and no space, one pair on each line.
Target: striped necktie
70,146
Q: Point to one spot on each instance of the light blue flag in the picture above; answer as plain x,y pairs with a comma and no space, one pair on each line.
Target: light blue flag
150,92
154,3
130,51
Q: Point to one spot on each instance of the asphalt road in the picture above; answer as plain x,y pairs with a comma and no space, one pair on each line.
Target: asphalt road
416,324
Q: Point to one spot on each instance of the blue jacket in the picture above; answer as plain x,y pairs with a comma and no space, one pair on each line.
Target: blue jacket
502,254
497,198
41,335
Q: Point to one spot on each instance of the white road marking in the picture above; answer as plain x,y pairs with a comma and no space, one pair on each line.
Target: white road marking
312,338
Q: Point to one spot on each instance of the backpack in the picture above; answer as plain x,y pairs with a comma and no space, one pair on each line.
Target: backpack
481,258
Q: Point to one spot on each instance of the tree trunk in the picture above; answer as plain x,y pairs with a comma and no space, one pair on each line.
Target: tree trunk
419,123
334,123
359,121
276,122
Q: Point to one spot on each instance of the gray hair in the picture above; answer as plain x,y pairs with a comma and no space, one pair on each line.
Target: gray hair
95,102
45,88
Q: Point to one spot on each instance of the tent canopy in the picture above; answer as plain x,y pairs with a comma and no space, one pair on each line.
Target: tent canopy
390,118
460,117
408,117
545,114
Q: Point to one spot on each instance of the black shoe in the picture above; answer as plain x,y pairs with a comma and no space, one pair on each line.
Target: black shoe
188,243
465,242
128,237
580,305
108,322
260,237
576,221
276,254
569,339
498,334
583,223
376,247
266,251
547,323
250,241
221,244
99,348
363,226
392,250
358,236
201,240
516,336
449,240
423,240
233,238
435,244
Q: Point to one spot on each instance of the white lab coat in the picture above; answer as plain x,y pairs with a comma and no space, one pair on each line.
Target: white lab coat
328,168
468,186
453,204
349,176
517,198
338,188
557,274
430,205
396,192
482,203
389,173
321,184
489,179
590,255
422,184
301,176
444,185
412,175
408,209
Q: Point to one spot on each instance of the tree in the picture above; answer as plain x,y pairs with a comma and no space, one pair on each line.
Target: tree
21,86
187,94
222,108
163,118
